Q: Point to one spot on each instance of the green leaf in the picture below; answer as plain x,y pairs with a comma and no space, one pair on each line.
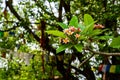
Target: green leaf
115,42
1,34
82,27
63,47
104,37
56,33
89,22
74,21
78,47
96,32
88,19
88,29
82,37
62,25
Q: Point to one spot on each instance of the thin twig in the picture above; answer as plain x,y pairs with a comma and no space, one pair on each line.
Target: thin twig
83,62
8,22
17,22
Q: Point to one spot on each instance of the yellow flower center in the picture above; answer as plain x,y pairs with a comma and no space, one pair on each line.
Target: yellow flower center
77,35
66,40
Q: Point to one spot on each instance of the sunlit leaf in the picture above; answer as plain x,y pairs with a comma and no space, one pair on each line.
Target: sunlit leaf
88,29
74,21
62,25
82,27
95,32
115,42
104,37
78,47
56,33
88,19
82,37
88,22
63,47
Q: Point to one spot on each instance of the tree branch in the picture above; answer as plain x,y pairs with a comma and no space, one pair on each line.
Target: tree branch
9,4
66,5
60,11
83,62
77,69
103,53
8,22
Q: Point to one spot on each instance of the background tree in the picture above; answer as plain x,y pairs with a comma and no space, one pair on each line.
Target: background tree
28,20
